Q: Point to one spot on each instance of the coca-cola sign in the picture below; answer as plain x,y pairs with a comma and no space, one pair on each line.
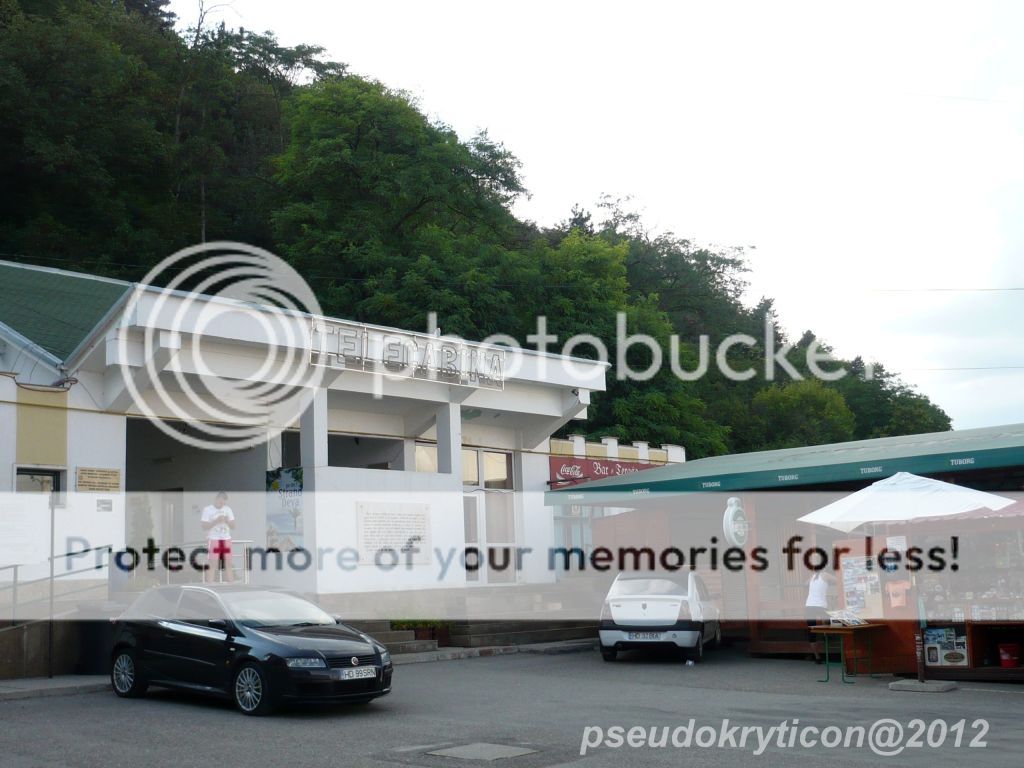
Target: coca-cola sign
568,470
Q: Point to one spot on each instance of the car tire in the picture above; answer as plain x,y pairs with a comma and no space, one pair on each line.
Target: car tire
697,653
250,692
608,654
125,676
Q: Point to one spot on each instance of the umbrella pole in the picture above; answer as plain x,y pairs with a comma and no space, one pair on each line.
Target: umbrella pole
919,634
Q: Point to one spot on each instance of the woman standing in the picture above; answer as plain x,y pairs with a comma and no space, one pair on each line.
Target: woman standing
816,607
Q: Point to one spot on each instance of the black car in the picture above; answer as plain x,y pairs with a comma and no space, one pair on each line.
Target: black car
258,647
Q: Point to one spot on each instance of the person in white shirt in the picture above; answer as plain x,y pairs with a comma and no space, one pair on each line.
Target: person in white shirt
218,521
816,606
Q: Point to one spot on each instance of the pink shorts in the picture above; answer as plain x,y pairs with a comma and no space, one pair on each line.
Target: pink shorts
219,549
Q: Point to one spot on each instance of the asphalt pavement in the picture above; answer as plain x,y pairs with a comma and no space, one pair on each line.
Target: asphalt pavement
537,711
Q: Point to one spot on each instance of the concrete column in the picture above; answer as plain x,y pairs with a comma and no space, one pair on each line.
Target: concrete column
676,453
579,446
274,451
611,444
643,450
313,435
409,455
449,440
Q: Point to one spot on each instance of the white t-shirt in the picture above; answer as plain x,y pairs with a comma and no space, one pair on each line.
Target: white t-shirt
221,531
817,592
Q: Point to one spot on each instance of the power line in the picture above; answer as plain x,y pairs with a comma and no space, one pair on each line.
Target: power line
940,290
972,368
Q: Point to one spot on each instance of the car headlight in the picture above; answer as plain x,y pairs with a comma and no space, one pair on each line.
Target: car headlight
306,662
385,655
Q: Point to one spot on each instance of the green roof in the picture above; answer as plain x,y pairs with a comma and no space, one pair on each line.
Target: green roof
54,309
861,460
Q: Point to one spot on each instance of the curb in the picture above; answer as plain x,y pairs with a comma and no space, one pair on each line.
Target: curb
71,689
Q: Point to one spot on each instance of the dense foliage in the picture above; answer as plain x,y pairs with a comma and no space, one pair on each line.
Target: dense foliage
123,140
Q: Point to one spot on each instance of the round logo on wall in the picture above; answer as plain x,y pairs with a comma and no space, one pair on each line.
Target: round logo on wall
734,523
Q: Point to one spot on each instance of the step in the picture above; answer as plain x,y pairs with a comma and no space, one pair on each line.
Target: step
371,626
412,646
393,636
514,625
477,639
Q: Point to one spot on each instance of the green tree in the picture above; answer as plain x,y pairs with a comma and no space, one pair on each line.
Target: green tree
802,413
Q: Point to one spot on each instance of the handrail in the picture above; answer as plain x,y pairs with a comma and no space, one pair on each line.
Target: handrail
243,551
17,583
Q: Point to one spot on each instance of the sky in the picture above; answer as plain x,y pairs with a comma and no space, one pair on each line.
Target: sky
870,156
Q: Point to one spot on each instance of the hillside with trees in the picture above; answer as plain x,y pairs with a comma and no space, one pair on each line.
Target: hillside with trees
123,140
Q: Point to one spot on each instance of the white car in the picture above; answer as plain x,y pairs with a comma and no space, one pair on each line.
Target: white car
645,610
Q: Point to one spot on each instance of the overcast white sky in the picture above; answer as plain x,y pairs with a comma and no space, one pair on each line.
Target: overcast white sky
867,150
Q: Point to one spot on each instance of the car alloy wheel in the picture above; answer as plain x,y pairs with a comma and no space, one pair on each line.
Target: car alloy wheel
251,694
124,676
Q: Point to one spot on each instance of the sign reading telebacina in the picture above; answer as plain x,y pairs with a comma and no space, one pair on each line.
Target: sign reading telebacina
568,470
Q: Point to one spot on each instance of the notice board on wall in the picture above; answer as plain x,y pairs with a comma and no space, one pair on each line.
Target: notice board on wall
394,529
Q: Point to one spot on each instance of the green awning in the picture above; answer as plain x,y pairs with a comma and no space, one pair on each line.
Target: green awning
862,460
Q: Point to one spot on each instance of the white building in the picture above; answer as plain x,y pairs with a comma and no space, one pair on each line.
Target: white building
463,457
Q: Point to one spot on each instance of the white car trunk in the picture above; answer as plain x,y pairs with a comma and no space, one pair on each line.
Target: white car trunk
646,610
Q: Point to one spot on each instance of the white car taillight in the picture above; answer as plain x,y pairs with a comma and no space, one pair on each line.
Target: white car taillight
606,611
684,611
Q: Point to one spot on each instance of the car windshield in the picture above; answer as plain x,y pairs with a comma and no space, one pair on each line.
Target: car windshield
273,609
627,587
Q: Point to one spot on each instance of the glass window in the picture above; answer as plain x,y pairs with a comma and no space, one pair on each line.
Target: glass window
501,565
497,470
426,458
37,481
262,609
197,607
470,468
155,604
500,511
469,519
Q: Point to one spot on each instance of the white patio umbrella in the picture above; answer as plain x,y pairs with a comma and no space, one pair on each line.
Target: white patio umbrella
901,498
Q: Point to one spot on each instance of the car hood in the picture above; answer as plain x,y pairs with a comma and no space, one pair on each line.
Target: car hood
326,639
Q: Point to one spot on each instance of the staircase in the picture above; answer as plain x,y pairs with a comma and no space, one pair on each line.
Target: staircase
395,640
476,634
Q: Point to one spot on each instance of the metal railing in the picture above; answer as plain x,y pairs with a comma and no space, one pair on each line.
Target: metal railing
18,584
240,549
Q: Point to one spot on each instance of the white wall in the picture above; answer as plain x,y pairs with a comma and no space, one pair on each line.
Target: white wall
339,490
536,518
8,432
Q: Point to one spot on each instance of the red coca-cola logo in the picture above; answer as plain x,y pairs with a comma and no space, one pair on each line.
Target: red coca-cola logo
581,470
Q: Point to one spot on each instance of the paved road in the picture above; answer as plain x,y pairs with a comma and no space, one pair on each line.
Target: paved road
542,703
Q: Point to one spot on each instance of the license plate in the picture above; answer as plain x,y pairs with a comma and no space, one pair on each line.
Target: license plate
356,673
645,636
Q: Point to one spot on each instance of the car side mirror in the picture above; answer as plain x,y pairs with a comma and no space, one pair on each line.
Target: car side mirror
220,624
